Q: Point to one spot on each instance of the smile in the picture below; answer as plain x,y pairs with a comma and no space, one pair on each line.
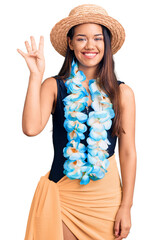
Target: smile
89,55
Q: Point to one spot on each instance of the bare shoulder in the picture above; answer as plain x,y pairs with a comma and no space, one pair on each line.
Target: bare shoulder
50,82
126,95
128,114
48,95
49,85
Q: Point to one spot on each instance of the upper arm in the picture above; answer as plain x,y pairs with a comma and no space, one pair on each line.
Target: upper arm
126,142
48,93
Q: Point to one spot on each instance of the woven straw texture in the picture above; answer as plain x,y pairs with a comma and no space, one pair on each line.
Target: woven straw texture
86,13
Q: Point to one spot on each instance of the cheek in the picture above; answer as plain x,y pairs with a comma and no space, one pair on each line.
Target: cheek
101,47
78,46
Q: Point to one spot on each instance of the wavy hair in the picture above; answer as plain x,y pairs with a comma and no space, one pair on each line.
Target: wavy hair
107,77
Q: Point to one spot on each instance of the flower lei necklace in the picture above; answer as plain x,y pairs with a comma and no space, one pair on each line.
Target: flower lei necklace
99,120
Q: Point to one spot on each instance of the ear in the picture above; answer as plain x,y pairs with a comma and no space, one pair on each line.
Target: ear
70,43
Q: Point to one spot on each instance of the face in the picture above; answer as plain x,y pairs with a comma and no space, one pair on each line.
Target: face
88,44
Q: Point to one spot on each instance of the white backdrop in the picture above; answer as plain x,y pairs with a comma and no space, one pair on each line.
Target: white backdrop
23,159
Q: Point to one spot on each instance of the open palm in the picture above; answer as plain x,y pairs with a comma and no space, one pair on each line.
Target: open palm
34,58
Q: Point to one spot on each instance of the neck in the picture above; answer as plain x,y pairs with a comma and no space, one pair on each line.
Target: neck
89,72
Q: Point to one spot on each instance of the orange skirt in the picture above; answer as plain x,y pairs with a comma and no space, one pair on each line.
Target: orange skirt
88,210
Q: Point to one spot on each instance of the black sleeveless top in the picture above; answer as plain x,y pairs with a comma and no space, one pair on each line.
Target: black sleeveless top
59,134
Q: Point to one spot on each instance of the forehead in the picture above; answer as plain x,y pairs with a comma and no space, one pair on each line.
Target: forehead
88,28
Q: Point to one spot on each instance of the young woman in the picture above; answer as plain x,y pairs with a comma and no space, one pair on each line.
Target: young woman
82,196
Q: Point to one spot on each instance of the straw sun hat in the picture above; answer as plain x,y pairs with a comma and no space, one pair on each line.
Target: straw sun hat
86,13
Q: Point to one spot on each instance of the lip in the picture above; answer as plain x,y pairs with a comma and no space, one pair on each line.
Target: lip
93,54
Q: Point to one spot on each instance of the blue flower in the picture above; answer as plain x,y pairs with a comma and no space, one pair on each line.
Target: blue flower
75,150
80,164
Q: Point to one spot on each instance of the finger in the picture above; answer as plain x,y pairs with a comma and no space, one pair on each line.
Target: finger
124,233
119,238
41,44
22,53
28,46
33,43
36,54
117,228
39,55
33,53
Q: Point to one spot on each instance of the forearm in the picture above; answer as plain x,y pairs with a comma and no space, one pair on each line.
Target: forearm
128,174
31,119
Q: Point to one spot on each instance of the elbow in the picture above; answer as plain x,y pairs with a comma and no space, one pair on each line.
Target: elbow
30,132
131,154
128,154
128,157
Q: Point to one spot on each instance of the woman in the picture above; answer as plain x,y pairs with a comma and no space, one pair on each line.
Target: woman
82,196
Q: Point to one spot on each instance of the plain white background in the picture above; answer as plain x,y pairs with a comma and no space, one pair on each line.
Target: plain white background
25,159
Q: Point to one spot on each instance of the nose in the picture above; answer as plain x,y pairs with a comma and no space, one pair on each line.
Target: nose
89,44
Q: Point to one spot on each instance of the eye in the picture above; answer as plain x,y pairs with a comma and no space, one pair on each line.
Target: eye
98,38
81,39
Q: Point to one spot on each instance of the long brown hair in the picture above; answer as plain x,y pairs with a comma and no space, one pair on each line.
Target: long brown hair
106,74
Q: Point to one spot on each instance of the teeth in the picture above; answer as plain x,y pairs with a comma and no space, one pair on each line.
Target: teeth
90,54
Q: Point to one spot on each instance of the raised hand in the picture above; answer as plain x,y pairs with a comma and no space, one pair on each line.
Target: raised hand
34,58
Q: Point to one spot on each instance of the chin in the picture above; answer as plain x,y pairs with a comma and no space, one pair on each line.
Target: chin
90,63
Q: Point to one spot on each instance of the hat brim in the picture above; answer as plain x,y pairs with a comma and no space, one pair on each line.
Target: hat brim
58,34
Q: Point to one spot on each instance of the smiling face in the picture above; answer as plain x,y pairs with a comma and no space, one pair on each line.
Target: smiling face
88,45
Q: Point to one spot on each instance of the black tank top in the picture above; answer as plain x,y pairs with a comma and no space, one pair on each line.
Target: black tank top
59,134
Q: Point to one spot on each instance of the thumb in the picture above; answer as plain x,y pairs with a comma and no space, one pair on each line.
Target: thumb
39,54
117,228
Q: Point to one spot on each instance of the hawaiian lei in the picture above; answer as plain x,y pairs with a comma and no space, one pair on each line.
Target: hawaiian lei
99,120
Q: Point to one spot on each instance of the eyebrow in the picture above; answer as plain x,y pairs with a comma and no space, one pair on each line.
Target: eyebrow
83,35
